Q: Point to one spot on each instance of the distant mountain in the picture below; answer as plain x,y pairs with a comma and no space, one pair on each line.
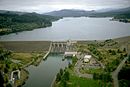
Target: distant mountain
105,10
122,10
70,13
112,12
94,13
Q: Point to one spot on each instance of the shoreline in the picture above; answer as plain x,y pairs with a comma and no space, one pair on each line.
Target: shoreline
64,40
38,41
121,20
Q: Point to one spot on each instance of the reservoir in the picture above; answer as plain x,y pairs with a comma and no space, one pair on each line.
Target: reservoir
80,28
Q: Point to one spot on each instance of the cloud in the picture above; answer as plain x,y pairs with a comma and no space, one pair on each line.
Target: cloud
50,5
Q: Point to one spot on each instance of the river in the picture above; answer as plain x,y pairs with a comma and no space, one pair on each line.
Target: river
44,74
81,28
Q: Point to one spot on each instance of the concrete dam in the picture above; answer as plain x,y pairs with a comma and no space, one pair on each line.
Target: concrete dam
62,46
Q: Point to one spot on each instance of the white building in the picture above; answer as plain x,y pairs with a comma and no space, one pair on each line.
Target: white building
70,54
87,58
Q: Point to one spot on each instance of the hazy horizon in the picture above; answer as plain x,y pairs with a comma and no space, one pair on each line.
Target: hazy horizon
42,6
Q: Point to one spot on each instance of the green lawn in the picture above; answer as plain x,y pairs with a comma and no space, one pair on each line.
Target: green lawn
24,57
28,57
91,71
82,82
76,81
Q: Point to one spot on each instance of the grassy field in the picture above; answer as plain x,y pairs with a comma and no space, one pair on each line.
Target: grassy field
26,51
82,82
26,58
23,57
76,81
91,71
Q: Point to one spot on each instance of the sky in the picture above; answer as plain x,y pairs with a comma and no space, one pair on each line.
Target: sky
42,6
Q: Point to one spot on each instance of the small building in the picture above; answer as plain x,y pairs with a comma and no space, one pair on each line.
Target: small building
15,75
70,54
87,58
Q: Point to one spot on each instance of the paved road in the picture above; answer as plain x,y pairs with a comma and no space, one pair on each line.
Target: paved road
115,73
78,67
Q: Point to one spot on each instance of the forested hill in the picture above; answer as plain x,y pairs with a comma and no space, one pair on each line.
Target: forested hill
93,13
70,13
11,22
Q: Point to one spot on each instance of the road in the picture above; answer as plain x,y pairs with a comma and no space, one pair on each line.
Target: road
115,73
78,67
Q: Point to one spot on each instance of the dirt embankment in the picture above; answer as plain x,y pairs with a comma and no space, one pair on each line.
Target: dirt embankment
121,40
26,46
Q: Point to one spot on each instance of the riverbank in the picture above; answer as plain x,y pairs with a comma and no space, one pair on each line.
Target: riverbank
75,80
23,54
121,20
19,61
33,59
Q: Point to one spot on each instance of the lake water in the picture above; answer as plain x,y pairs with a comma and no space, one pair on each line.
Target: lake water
44,74
81,28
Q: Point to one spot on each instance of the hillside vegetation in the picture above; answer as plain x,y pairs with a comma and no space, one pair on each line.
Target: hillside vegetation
123,17
11,22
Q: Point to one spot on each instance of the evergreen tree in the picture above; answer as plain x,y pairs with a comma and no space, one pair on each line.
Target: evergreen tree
58,77
1,80
66,75
61,72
